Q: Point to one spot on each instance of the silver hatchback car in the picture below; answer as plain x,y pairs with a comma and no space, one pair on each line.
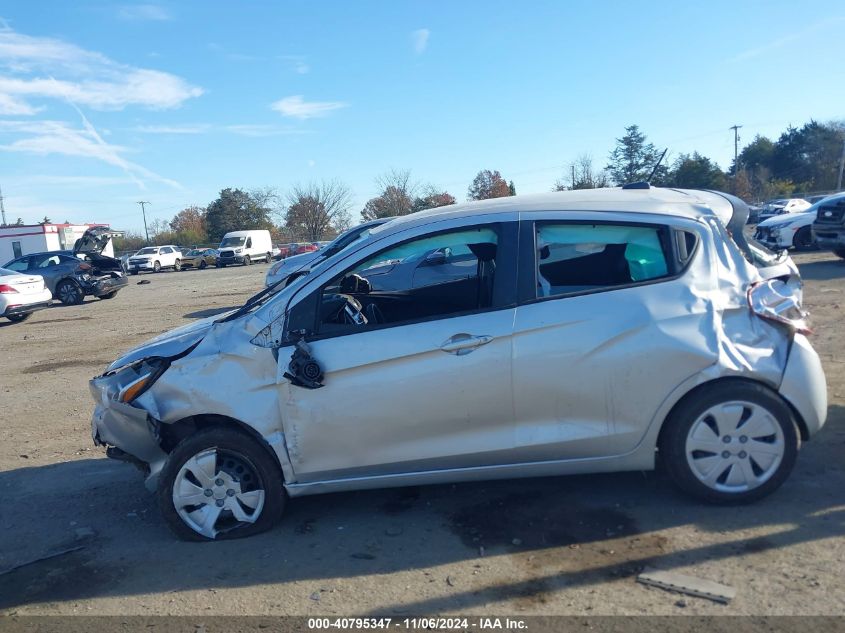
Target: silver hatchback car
573,332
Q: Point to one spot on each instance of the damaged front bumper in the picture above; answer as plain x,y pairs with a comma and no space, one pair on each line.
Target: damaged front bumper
131,430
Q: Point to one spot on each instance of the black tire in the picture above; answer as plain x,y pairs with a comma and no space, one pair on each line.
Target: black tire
177,265
269,258
156,267
17,318
202,264
234,443
672,445
133,272
803,239
839,252
247,260
109,295
219,265
69,292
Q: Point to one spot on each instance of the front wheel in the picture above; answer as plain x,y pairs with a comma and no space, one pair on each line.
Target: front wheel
247,260
220,483
269,258
70,293
157,267
732,442
109,295
17,318
203,264
803,240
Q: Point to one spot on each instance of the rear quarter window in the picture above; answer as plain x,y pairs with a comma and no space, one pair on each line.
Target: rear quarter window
573,258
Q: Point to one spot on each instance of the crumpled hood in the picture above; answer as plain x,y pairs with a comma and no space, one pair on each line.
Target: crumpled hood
784,218
169,343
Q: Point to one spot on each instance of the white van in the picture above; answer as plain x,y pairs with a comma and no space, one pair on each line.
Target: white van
245,247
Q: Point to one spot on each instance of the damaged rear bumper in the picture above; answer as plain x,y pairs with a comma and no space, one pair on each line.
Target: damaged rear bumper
131,430
105,285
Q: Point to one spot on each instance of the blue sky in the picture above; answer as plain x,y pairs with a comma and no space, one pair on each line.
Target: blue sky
103,104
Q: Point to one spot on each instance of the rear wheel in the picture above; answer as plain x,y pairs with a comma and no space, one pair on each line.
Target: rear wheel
731,442
69,292
177,265
220,483
839,252
803,240
133,272
17,318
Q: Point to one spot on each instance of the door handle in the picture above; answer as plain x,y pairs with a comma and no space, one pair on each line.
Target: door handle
461,344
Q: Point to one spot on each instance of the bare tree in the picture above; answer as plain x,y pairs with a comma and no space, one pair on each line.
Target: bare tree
586,176
396,197
315,208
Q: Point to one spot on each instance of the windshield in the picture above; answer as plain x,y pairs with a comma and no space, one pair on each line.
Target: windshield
147,251
195,252
232,241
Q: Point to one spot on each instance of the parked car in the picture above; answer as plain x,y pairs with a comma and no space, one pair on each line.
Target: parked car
155,259
21,295
285,268
829,224
593,331
783,205
790,230
245,247
72,275
753,214
306,247
199,258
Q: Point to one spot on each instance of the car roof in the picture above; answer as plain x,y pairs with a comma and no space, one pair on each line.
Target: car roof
681,203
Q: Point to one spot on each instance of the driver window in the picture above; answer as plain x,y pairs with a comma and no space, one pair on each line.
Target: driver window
429,277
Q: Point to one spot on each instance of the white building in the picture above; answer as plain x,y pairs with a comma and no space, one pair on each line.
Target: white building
16,241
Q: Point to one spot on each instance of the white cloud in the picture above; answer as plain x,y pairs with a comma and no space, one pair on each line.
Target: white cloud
296,63
152,12
298,108
45,137
194,128
787,39
37,68
259,130
419,38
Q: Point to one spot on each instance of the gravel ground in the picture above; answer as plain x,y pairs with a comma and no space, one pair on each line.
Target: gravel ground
566,545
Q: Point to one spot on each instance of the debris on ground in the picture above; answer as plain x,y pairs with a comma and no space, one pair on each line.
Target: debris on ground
689,585
143,282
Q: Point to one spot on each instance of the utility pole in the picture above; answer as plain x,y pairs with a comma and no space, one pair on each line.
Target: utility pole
838,181
572,167
735,128
3,209
144,212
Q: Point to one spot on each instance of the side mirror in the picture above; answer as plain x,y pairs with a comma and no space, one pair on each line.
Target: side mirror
437,258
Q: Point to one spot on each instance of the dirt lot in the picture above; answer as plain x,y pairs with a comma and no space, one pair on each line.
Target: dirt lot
551,546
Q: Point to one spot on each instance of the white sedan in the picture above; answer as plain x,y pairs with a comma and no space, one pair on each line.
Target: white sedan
21,295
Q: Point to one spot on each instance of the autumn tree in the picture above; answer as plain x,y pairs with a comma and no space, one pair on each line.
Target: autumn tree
634,158
431,198
315,208
488,184
189,226
396,196
236,210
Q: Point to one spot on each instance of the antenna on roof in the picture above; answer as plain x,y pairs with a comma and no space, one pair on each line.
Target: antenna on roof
659,160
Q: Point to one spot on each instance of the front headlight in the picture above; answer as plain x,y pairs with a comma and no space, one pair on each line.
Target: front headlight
239,250
130,381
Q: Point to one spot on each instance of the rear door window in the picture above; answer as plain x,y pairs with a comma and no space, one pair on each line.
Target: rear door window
573,258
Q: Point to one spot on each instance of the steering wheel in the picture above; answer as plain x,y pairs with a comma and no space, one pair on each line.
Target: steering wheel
374,314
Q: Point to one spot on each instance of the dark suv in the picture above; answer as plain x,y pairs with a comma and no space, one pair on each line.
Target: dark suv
829,225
